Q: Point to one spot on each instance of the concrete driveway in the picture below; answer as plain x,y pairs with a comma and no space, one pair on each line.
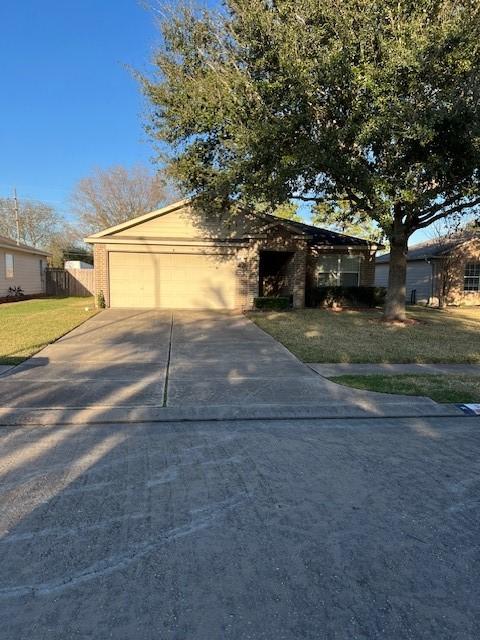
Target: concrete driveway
126,364
327,530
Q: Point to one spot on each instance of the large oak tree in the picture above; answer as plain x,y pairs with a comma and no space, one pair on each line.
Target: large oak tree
374,103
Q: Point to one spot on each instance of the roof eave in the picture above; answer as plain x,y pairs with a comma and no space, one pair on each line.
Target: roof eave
14,247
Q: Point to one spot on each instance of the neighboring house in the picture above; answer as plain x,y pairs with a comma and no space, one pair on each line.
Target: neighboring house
178,258
431,264
21,266
77,264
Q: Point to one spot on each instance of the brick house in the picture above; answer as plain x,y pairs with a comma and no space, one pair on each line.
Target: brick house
430,264
176,257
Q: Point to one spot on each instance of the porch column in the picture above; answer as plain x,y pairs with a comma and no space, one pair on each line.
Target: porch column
299,277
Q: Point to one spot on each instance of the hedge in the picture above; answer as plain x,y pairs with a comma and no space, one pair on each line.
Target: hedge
271,303
345,296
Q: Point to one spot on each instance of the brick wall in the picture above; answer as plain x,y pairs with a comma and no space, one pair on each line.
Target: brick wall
467,252
367,269
100,260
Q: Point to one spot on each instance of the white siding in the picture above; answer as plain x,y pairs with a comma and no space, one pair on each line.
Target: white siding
26,272
419,277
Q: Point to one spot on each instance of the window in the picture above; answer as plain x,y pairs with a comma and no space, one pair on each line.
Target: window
471,277
338,270
8,265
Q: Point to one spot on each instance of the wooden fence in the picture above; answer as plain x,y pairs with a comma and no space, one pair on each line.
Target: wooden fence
71,282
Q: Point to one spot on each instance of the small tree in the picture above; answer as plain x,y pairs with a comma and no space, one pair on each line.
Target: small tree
374,103
112,196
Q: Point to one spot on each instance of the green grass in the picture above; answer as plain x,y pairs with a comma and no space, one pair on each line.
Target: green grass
441,388
26,327
317,335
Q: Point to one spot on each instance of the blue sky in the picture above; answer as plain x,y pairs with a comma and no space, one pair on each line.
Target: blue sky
69,102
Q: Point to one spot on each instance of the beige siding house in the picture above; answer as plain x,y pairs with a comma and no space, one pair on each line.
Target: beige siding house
178,258
21,266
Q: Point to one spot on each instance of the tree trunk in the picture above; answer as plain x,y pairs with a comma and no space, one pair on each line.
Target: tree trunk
397,275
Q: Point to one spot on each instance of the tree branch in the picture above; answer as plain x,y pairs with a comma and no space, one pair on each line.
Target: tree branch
425,222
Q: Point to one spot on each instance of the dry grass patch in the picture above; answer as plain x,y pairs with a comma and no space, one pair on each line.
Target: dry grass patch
317,335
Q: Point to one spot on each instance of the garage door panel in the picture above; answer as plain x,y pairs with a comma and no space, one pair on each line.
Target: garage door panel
172,281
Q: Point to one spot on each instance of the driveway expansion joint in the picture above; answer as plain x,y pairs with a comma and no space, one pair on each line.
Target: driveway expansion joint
167,367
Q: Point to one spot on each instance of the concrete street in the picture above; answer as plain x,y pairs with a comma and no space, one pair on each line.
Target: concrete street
335,529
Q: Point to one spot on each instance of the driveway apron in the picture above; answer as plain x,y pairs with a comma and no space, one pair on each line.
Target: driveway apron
182,361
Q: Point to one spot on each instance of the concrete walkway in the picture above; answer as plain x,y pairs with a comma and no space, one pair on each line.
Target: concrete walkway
340,369
127,365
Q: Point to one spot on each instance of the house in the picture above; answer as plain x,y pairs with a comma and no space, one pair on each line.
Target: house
176,257
21,266
445,268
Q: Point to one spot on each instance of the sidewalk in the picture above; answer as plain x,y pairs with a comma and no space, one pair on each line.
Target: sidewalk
341,368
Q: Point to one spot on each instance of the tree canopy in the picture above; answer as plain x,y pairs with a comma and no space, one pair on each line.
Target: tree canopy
340,217
37,222
371,103
112,196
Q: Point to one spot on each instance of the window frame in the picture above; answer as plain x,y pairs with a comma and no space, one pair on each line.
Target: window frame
475,276
9,268
337,274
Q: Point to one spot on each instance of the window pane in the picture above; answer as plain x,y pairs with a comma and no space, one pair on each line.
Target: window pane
350,263
349,279
471,283
327,279
327,263
8,265
472,269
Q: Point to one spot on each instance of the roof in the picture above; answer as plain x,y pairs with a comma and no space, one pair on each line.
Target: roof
431,248
319,236
8,243
315,235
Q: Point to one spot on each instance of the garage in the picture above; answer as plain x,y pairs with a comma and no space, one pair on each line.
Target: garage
172,280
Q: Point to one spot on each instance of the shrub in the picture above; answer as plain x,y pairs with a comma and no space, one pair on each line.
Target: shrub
270,303
101,300
345,296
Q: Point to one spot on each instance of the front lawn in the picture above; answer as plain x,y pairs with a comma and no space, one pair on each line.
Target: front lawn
26,327
441,388
318,335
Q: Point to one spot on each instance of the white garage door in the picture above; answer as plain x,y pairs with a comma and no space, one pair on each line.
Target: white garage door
172,281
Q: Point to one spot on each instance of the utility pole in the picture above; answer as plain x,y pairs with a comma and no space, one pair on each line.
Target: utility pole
17,223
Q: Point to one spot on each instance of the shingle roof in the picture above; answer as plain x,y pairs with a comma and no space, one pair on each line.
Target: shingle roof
9,242
320,236
430,248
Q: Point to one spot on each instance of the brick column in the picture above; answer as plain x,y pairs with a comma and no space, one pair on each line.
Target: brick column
100,261
367,269
299,277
